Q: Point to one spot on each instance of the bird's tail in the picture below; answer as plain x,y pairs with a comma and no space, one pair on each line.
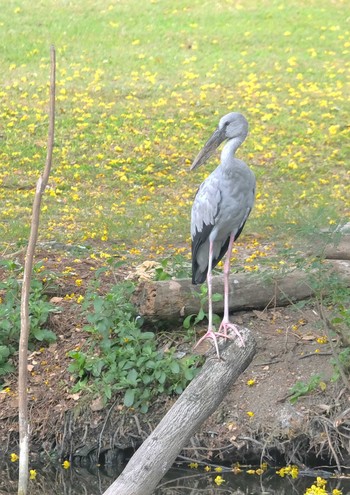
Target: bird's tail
198,276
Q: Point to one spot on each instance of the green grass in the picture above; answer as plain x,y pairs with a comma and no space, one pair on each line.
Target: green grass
140,87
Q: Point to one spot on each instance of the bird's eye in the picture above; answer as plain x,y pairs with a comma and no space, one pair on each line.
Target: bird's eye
226,124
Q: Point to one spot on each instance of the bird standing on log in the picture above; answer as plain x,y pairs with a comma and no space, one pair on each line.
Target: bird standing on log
221,207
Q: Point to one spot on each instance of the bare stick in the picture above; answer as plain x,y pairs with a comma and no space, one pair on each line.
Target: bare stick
200,399
28,268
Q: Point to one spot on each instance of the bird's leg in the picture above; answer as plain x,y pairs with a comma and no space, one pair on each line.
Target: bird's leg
210,290
226,324
210,333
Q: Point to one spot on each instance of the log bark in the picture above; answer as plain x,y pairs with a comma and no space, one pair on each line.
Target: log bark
200,399
339,251
174,299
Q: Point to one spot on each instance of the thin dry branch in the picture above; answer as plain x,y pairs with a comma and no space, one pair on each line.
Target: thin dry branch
28,268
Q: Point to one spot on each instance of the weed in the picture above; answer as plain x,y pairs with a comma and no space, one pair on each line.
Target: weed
123,358
173,267
303,388
193,319
10,319
342,361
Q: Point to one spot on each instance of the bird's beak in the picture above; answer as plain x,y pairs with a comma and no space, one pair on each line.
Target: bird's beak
208,149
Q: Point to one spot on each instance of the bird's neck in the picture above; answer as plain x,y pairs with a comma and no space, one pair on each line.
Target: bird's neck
230,149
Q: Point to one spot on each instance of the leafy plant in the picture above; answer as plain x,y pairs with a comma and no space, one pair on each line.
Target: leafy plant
10,319
193,319
302,388
342,361
123,358
174,267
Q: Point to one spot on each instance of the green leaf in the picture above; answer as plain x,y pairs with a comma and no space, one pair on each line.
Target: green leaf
107,390
132,377
217,297
175,367
146,379
199,317
4,352
187,321
129,397
162,377
44,335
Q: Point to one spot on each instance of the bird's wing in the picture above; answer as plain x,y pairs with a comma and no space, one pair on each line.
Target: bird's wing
239,231
249,209
205,209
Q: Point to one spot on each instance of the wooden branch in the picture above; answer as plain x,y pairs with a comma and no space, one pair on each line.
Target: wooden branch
200,399
27,275
173,299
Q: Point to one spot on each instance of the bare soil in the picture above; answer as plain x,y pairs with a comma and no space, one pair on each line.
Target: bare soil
255,422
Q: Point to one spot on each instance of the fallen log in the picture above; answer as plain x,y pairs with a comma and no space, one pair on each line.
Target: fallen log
174,299
200,399
338,251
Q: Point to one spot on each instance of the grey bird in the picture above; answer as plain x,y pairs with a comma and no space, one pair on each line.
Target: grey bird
221,207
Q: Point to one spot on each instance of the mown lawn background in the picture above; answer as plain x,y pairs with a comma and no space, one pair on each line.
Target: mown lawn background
140,87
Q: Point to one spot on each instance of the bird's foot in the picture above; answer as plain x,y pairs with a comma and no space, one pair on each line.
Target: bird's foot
226,325
213,336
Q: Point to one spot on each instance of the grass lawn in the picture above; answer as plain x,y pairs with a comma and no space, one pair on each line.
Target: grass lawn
141,86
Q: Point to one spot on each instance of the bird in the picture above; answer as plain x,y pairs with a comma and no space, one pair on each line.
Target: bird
220,210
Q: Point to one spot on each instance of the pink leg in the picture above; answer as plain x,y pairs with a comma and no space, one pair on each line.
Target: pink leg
210,333
226,324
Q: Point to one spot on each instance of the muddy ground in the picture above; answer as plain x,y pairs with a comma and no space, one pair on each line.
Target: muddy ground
291,348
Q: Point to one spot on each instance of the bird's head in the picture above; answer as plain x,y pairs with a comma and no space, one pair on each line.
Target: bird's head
231,126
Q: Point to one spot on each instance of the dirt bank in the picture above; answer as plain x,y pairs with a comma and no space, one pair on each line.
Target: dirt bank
255,422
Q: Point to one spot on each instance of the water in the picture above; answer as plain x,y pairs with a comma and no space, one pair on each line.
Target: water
179,481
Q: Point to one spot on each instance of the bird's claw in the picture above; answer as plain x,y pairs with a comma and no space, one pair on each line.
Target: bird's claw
213,336
227,325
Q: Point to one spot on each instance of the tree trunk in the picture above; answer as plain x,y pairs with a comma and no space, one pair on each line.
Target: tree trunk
173,299
200,399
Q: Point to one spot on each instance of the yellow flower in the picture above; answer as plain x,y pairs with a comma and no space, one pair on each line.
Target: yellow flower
193,465
219,480
320,482
251,382
66,465
336,492
218,469
14,457
250,471
236,469
250,414
333,129
78,282
32,474
294,472
207,469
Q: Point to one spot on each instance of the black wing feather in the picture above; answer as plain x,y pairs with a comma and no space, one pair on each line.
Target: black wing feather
199,239
198,277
